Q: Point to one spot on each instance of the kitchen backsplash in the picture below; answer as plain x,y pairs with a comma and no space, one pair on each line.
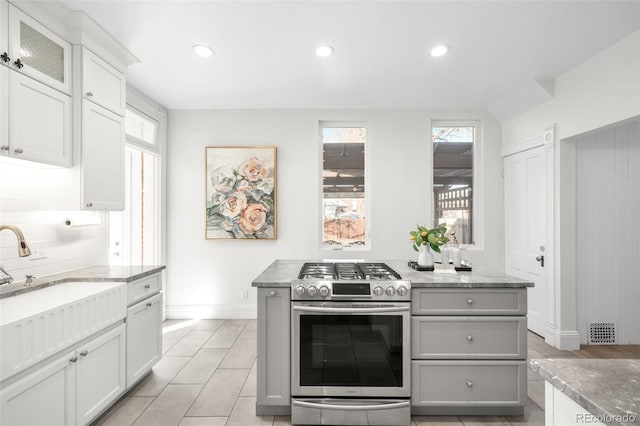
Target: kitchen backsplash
55,246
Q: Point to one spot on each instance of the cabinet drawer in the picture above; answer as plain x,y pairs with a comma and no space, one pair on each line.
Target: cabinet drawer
144,338
144,287
468,383
472,301
102,83
469,337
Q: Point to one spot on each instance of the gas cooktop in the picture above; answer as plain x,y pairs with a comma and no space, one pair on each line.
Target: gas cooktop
347,271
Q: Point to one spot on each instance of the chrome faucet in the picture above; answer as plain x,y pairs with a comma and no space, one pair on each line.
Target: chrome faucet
23,251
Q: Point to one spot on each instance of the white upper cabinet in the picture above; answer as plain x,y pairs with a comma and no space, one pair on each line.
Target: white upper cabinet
4,24
38,52
102,83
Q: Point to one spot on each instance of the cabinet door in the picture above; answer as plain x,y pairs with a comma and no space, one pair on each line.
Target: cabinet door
102,83
144,337
4,110
39,121
274,350
45,397
100,374
38,52
102,158
4,22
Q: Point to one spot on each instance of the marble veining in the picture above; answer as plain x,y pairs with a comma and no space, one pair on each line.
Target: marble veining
124,273
281,272
604,387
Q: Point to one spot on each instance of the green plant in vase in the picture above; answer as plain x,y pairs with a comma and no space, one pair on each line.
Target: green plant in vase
433,238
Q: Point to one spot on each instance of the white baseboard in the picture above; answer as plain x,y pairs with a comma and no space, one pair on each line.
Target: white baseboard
567,340
211,312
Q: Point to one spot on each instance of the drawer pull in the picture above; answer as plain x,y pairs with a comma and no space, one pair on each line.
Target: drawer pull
273,293
470,338
147,286
469,301
84,353
74,359
149,304
469,384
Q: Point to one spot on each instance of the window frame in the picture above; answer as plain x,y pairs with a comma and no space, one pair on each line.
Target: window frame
477,216
367,246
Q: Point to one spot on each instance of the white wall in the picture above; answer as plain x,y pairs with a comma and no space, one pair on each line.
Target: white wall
603,90
206,278
608,231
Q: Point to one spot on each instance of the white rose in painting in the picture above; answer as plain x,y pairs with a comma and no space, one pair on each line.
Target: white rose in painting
233,205
223,178
266,186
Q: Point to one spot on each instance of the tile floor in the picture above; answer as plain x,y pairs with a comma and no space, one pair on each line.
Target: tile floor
208,377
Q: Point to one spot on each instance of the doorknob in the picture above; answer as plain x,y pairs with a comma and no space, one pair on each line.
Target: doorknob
541,260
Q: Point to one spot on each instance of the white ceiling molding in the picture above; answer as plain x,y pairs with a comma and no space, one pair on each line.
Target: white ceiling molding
517,101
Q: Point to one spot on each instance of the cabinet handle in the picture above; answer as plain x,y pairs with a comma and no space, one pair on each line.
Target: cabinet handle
469,384
18,150
147,286
470,338
74,359
469,301
18,63
4,148
5,57
149,304
89,94
89,204
84,353
273,293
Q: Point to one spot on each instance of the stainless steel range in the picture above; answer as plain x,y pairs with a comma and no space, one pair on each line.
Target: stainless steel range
350,345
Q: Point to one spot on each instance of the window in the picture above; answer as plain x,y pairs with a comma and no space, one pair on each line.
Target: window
453,177
140,127
344,206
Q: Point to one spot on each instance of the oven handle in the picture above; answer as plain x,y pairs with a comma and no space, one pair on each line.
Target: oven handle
351,407
351,309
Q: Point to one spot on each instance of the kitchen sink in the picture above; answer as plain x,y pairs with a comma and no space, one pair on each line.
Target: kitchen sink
40,323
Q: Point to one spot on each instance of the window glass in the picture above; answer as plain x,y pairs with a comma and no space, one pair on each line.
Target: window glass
453,151
343,183
140,127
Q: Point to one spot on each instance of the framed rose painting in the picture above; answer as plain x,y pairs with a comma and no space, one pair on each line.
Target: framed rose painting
240,192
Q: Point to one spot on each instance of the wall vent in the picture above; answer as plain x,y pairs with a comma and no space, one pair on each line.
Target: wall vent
602,333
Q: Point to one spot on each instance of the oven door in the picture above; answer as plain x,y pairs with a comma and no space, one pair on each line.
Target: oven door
350,349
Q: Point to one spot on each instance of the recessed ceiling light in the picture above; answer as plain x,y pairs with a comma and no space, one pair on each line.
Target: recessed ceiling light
325,50
440,50
202,50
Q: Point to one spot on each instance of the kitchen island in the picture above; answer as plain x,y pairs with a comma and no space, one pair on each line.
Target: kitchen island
468,340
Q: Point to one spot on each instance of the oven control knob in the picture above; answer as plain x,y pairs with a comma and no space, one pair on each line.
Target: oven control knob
324,291
299,290
312,290
402,291
390,291
377,290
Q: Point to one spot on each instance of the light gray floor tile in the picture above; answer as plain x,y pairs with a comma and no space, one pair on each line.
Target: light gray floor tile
532,375
244,414
241,355
177,329
250,330
219,394
208,324
170,406
484,421
251,384
535,391
282,421
437,421
167,343
190,344
236,322
203,421
224,337
201,367
533,354
163,372
533,416
125,411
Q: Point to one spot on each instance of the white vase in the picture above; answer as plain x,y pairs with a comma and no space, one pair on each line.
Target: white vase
425,257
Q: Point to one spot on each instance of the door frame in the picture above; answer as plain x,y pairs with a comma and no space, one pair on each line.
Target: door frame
548,142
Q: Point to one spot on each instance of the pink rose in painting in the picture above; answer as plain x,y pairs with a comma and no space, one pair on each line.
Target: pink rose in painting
253,218
254,169
244,185
233,205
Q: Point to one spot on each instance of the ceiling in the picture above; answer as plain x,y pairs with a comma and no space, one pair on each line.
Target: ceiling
264,50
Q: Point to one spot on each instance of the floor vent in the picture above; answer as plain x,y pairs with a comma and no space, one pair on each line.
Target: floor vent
602,333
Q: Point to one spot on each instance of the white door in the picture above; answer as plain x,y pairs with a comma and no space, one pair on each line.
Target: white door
144,337
525,228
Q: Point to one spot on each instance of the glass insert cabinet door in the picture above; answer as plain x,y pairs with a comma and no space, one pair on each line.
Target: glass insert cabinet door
351,350
38,52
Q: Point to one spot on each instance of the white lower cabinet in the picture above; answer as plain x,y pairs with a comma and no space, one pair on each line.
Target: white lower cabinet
72,389
144,337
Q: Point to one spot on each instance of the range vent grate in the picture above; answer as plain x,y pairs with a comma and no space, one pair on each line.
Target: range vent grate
602,333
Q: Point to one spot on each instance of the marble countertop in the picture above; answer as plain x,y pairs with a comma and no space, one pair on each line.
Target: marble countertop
604,387
124,273
281,272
